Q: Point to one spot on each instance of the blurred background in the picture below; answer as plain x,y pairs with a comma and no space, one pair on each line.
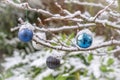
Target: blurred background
20,61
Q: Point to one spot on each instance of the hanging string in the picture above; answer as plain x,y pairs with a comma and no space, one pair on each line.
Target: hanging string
26,15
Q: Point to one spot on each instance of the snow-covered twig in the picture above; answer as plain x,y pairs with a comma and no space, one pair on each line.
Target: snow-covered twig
114,51
72,48
87,4
94,5
98,5
63,28
65,18
25,6
101,11
98,21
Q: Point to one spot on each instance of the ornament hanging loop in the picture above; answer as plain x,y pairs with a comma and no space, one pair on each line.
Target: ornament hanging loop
26,15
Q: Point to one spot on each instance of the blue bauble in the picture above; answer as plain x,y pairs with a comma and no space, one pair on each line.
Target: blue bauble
84,40
25,35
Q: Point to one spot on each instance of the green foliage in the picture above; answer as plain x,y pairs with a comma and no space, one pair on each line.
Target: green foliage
7,48
85,72
50,77
71,36
110,61
7,20
105,68
67,38
5,75
61,77
71,77
111,48
36,71
16,1
63,37
54,44
90,57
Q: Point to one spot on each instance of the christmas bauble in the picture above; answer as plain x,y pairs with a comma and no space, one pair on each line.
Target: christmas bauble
52,62
84,39
25,34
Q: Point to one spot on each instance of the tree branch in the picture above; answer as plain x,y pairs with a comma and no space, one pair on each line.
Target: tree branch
87,4
71,49
25,6
101,11
64,28
90,22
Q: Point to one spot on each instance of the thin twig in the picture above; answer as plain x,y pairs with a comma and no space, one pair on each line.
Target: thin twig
61,43
25,6
47,41
64,28
88,4
101,11
14,29
62,10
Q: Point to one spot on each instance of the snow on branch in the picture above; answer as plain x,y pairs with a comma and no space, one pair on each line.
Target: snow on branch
80,19
69,16
104,9
63,28
104,22
25,6
99,5
73,48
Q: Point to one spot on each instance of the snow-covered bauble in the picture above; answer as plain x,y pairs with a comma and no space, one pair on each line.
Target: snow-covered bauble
25,33
84,38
